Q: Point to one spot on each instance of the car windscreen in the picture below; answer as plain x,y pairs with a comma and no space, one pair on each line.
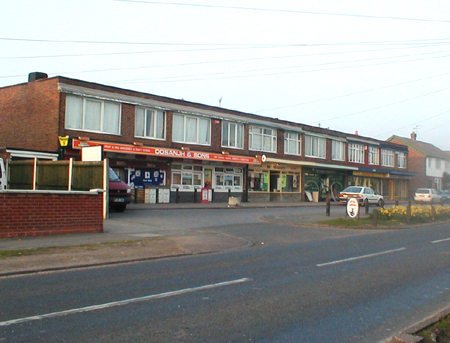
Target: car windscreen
352,190
112,175
423,191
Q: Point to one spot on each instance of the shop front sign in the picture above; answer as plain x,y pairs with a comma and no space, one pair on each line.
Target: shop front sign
167,152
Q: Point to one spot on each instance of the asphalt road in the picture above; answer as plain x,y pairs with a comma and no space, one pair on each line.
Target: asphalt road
293,285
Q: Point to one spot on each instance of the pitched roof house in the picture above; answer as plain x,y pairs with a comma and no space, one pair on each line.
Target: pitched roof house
428,162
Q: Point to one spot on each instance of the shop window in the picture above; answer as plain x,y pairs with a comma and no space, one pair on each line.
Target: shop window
262,139
150,123
315,146
186,177
232,135
228,178
356,153
292,143
89,114
190,129
258,181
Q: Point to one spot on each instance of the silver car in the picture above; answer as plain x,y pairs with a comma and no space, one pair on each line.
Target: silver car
362,194
428,195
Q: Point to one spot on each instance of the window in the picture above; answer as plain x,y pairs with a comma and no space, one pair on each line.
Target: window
292,143
190,129
315,146
401,160
232,135
374,155
438,163
228,178
387,158
89,114
150,123
263,139
337,150
356,153
186,177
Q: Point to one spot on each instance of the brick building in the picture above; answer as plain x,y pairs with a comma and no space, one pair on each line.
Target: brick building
155,141
428,162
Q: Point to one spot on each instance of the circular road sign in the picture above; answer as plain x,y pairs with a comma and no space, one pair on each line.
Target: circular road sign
352,208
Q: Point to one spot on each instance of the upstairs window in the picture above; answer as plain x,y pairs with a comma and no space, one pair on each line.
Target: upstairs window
190,129
292,143
387,158
374,155
315,146
232,135
401,159
150,123
262,139
356,153
89,114
337,150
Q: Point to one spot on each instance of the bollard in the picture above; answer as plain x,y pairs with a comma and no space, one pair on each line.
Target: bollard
433,212
328,205
366,206
408,212
375,217
396,202
177,195
229,193
195,194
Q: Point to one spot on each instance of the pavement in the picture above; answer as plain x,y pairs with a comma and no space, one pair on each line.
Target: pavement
49,253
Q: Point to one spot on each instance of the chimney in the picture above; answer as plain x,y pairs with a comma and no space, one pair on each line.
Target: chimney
356,133
36,76
413,136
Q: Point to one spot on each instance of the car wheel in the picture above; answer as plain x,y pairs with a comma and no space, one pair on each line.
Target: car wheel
381,203
120,207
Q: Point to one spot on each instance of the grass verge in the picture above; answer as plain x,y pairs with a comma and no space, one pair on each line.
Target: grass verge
362,223
438,332
90,247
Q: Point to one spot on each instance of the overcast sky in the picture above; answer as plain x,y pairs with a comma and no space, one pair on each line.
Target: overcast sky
377,67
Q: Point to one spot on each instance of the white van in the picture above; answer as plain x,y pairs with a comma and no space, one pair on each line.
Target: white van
2,175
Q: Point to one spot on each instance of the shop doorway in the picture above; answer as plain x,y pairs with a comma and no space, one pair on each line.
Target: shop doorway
207,177
274,178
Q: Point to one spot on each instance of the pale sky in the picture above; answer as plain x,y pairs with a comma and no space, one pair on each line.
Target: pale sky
377,67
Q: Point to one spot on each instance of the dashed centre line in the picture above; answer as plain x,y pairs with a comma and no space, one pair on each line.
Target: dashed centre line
122,302
440,240
360,257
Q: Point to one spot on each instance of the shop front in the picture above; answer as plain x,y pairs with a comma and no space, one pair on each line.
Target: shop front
275,180
178,175
319,182
393,185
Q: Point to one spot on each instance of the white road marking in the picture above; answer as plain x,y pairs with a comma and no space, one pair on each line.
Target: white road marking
360,257
122,302
441,240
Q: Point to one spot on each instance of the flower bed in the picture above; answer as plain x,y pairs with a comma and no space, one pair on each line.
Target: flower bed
419,214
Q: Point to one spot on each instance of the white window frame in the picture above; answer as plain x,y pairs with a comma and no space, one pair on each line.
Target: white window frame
228,177
233,142
185,133
401,159
337,150
387,158
292,137
356,153
313,143
263,133
102,119
147,112
187,172
374,155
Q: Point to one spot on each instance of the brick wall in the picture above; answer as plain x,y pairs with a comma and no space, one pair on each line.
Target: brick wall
32,113
49,213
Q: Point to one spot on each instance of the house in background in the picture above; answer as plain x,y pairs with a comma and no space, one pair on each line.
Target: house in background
429,163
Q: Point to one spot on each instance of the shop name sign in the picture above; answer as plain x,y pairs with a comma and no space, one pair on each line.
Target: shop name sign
352,208
165,152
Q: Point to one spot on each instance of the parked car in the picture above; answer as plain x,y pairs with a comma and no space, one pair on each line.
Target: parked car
445,196
362,194
119,192
427,195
